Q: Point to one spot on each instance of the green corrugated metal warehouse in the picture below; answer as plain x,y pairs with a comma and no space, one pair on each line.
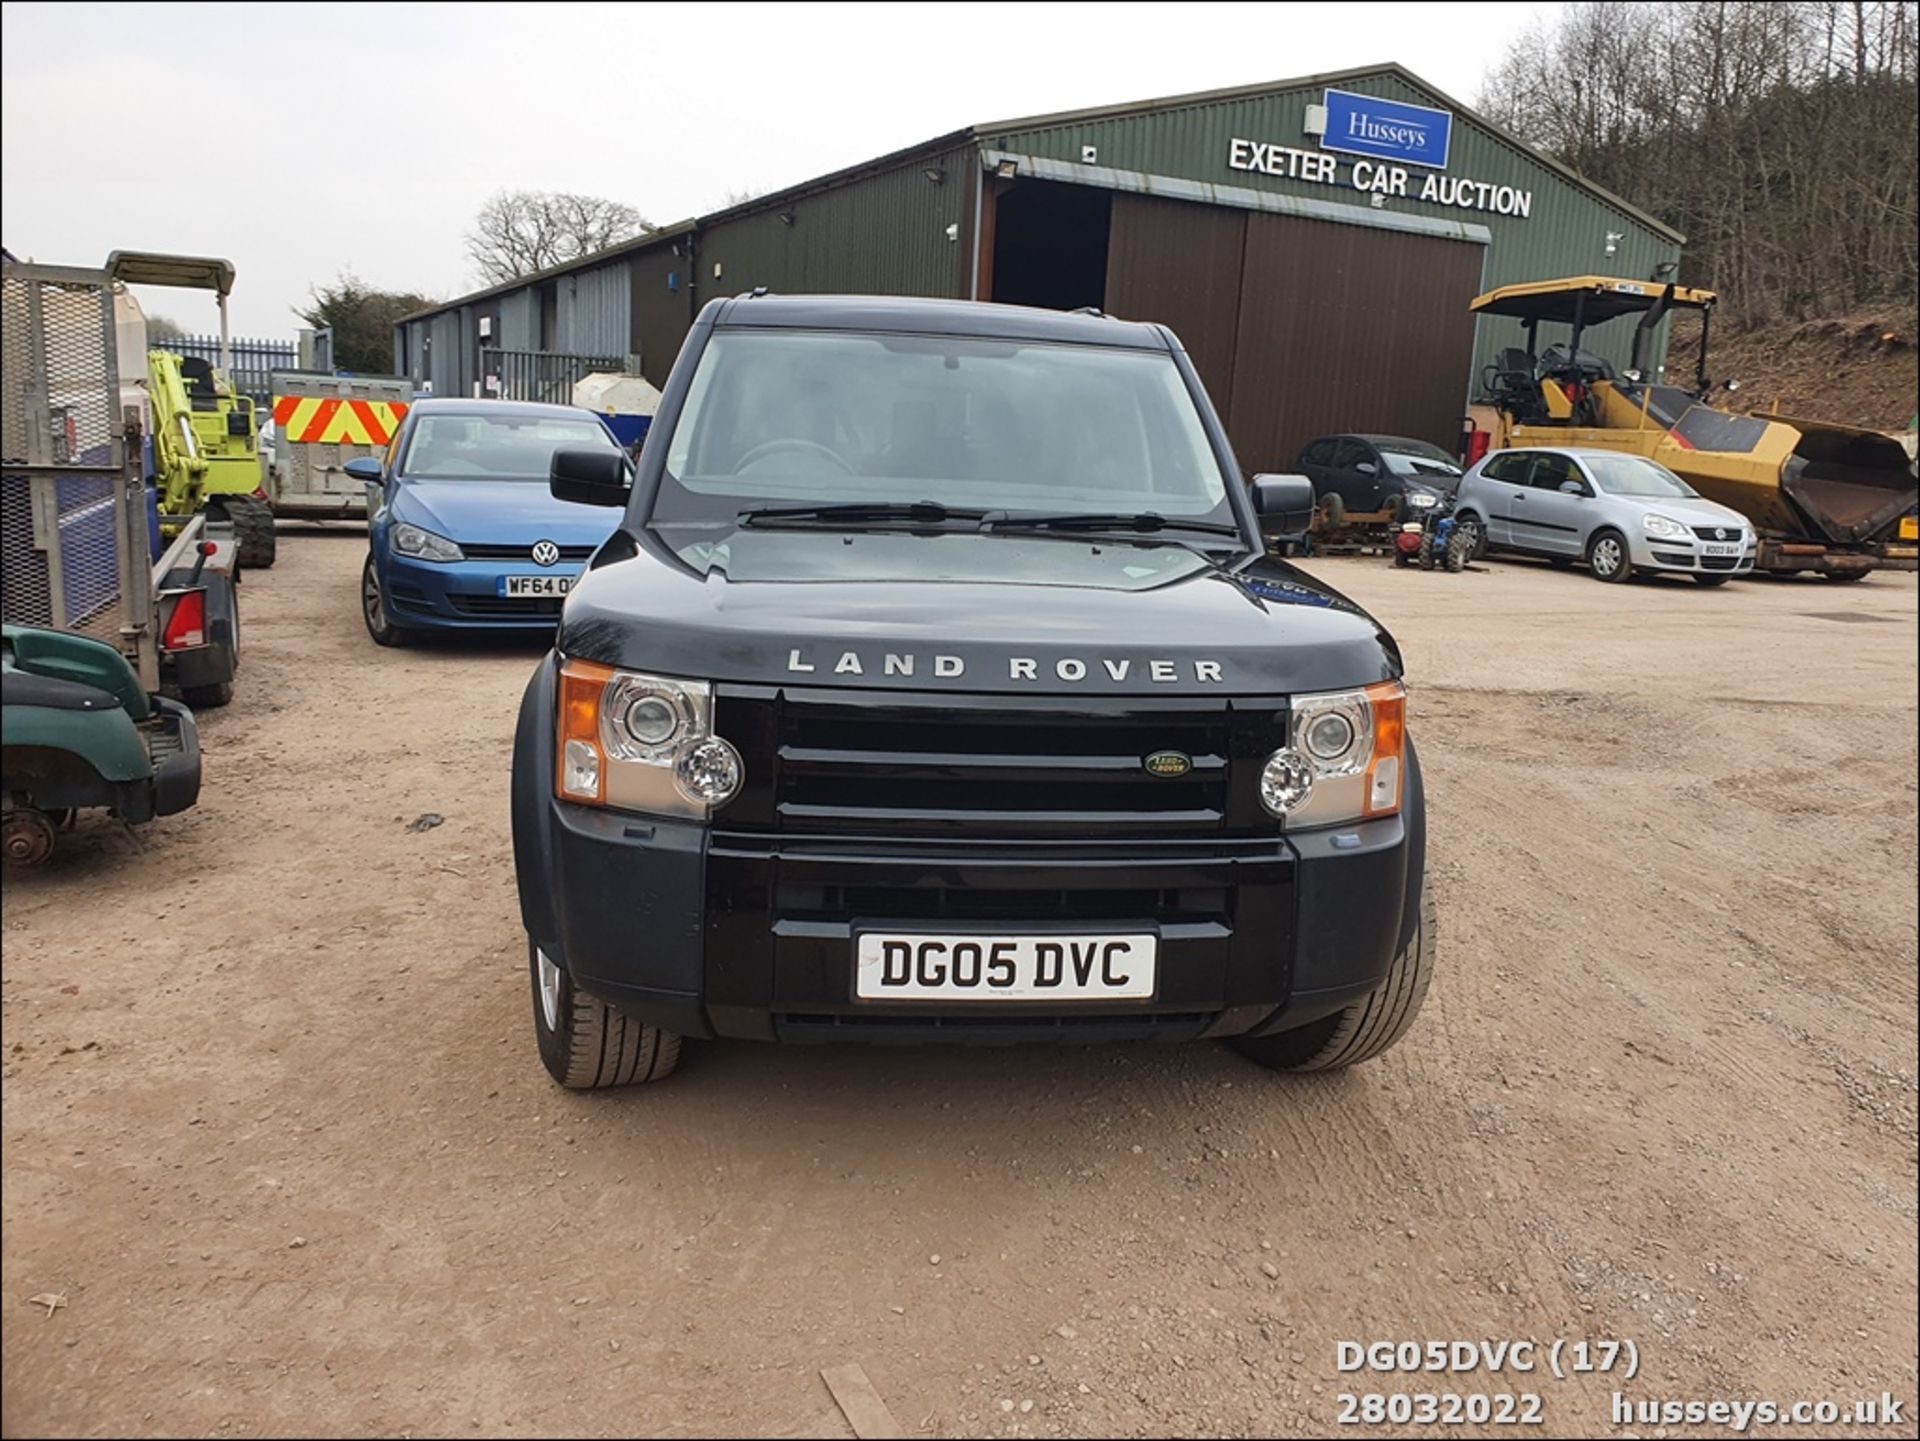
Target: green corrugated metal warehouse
1314,242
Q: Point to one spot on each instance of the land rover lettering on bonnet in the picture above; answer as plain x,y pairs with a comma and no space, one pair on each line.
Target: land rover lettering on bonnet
937,684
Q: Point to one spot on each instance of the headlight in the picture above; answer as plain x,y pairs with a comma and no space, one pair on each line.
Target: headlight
1420,499
1666,529
423,544
1345,763
641,742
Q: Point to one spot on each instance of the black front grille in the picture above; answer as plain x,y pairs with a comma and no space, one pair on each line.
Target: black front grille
1717,532
504,606
907,763
870,904
1719,562
575,553
1682,558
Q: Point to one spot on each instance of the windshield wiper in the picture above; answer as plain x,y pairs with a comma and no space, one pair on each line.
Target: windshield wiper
918,512
1143,523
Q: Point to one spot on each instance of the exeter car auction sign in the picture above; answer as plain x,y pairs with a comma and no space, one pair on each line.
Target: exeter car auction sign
1384,132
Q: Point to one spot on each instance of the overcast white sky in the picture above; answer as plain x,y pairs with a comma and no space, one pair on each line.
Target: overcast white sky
301,140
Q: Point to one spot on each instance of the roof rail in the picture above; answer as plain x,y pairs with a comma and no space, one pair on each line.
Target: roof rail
1092,310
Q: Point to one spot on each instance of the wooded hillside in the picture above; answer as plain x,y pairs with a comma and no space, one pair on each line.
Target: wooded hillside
1781,136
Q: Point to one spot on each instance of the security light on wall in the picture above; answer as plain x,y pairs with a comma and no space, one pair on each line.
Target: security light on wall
1614,237
1007,169
935,175
786,217
1089,155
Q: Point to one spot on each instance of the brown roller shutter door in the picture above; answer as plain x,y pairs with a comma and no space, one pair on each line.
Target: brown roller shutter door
1302,327
1347,328
1180,264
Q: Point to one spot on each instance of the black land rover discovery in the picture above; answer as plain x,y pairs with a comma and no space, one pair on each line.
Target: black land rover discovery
937,685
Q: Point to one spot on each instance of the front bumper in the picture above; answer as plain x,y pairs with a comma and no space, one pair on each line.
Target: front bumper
1689,557
464,595
712,931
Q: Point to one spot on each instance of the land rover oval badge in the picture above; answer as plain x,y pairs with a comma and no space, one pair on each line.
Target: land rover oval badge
1168,763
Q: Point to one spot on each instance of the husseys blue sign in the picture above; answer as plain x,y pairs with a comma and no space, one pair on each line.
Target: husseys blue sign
1387,129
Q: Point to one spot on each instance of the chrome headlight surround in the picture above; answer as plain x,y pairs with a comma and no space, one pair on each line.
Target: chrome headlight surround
1345,760
642,743
418,543
1664,527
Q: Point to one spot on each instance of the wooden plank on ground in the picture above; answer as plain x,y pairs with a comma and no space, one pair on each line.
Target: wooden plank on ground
860,1403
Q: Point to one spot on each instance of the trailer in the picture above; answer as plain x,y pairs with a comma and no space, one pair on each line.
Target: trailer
78,519
320,422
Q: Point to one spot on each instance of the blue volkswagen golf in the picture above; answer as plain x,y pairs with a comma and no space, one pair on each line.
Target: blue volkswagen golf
463,533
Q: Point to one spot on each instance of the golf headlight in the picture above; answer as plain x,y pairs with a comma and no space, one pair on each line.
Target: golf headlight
641,742
1420,499
411,540
1346,762
1664,528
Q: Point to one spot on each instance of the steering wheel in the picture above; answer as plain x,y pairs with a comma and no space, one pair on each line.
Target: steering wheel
774,447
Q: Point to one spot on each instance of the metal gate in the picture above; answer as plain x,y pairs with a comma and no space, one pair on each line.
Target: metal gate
75,551
544,375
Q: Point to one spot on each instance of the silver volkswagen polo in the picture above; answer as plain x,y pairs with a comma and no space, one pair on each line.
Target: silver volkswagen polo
1618,513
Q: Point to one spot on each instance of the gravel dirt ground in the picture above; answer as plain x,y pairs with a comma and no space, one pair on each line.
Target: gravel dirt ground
276,1131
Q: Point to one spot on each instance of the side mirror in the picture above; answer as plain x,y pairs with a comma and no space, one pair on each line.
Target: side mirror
1367,467
364,468
1284,504
1572,487
590,477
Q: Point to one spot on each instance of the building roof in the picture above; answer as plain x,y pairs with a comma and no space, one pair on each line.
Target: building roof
974,134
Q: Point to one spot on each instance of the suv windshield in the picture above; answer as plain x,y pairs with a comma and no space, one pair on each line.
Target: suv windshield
495,447
1416,457
784,417
1634,475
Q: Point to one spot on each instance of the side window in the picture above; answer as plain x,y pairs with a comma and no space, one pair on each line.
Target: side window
1349,454
1510,468
1319,453
1550,472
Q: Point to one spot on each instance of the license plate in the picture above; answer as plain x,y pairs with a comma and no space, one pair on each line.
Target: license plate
1910,527
513,586
924,967
1720,549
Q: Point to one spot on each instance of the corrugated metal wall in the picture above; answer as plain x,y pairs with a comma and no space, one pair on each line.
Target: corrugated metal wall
659,282
519,321
1566,233
595,311
445,344
883,234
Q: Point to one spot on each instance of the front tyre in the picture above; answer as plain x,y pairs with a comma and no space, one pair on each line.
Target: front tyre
373,609
586,1044
1459,549
1369,1026
1608,557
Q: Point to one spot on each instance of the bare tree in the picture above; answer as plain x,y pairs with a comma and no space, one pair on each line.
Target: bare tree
1779,135
163,327
521,231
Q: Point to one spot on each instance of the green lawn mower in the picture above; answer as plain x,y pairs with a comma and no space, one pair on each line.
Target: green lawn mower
77,732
